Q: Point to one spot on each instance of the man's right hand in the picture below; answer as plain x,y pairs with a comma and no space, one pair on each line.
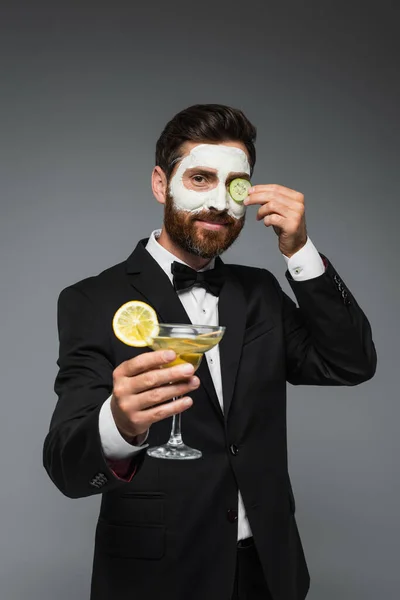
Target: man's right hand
140,388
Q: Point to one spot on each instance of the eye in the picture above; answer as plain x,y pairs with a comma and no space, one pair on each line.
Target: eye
199,179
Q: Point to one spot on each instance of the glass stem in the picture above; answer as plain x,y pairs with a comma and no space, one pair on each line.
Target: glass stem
175,439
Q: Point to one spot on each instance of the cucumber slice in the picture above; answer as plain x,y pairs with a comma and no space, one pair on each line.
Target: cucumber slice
238,189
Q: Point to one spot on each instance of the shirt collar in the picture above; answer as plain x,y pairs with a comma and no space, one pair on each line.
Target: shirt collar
165,258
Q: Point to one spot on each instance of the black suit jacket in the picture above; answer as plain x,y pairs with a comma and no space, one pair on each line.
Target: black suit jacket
171,532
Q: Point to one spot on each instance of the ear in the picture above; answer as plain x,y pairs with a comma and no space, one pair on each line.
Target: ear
159,184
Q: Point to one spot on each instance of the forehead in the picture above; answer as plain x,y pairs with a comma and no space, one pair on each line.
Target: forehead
229,156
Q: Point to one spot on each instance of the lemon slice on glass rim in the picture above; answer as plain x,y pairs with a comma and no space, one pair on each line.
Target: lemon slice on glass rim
135,323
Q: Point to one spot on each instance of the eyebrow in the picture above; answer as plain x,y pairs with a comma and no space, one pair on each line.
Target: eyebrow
239,176
230,177
202,170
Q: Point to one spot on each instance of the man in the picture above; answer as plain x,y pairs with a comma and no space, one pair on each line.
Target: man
223,526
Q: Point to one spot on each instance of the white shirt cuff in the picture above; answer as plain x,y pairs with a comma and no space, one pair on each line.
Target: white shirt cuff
306,263
113,444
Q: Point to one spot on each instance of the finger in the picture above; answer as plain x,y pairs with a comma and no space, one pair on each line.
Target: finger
145,362
274,188
276,221
159,395
159,377
263,197
278,208
145,418
279,205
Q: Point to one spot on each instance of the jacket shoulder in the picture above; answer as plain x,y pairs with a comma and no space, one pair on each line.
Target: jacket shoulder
96,284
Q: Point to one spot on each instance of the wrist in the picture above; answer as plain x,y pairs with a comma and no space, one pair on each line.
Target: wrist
293,249
139,439
123,427
128,437
133,439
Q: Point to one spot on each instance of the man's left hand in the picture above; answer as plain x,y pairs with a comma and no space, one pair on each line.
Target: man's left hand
282,208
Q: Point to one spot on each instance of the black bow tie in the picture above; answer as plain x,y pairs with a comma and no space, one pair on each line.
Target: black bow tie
185,278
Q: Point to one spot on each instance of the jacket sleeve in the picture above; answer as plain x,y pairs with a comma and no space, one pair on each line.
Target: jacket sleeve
328,338
72,453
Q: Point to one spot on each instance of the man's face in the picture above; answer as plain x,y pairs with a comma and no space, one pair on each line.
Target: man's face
200,215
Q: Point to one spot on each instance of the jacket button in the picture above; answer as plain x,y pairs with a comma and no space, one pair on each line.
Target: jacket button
232,515
337,279
234,449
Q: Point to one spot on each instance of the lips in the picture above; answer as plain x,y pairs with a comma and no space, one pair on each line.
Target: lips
212,225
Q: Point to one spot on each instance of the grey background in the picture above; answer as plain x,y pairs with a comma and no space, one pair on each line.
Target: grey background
85,91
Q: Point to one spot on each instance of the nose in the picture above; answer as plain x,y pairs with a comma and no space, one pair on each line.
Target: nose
219,200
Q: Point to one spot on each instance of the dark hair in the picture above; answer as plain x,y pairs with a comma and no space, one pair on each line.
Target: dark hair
204,123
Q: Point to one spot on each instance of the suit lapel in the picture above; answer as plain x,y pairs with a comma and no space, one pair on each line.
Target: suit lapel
232,314
149,279
146,275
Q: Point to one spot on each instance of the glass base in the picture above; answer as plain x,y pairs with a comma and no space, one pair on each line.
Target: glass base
179,452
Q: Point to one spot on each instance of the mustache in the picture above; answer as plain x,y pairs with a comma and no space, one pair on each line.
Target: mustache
215,217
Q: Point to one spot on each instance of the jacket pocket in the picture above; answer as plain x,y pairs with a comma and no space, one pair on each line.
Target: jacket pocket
134,508
144,495
133,541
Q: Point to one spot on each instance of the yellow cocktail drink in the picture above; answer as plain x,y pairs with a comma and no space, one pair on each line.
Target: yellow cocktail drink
187,349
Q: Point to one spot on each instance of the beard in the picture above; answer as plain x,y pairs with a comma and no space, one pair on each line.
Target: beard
184,232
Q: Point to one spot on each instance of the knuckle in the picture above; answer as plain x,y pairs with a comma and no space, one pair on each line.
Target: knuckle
166,375
135,419
181,388
157,357
117,374
156,395
141,361
118,389
134,415
173,373
135,361
298,211
124,407
150,380
159,414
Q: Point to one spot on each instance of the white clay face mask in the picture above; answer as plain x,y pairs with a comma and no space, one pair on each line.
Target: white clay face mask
224,160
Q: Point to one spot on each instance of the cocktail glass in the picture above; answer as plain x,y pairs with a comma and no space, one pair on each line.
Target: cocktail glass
189,342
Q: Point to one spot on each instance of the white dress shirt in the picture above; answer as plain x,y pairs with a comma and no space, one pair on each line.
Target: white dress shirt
202,308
